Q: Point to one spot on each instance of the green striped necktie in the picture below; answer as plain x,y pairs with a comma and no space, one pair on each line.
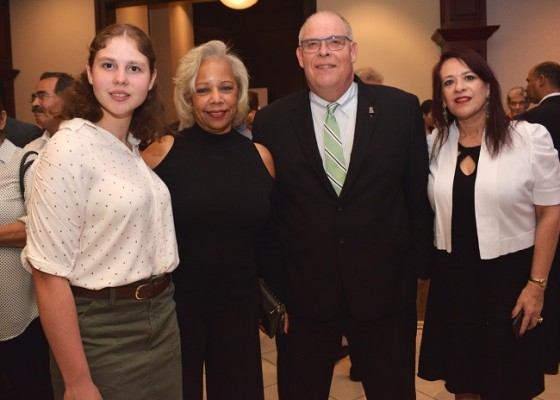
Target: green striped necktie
334,155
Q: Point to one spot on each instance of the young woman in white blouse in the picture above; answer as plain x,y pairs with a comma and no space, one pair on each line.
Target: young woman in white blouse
101,241
494,186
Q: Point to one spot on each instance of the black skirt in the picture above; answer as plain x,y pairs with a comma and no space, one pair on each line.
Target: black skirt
468,339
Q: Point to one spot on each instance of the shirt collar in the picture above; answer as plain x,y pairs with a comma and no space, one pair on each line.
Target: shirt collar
549,95
343,102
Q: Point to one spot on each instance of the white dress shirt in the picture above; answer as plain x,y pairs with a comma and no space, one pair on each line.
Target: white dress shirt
38,144
345,115
98,215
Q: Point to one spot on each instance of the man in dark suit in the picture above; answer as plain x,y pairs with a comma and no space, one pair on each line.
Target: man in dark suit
350,240
17,132
20,133
543,88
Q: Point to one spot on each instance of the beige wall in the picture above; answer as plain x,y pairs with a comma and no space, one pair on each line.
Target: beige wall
48,35
170,27
173,37
393,36
529,34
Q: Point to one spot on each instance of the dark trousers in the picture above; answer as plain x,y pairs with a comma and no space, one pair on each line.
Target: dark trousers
227,346
24,366
382,349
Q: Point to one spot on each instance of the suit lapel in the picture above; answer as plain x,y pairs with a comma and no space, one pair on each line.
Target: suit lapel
366,118
302,123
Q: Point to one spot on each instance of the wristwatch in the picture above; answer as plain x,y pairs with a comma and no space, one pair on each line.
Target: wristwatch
541,282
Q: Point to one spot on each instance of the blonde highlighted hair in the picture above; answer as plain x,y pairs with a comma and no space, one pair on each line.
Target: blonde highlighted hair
187,71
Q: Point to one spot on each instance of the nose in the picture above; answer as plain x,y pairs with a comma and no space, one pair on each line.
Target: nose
215,96
324,49
120,77
34,100
459,86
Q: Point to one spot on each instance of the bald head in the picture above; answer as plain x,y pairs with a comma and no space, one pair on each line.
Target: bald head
543,79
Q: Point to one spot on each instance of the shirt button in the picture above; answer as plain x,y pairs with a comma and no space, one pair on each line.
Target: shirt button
340,240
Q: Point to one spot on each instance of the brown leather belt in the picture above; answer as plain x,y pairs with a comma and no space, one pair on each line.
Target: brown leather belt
145,289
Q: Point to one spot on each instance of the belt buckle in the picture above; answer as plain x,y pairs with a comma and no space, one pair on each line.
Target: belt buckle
137,291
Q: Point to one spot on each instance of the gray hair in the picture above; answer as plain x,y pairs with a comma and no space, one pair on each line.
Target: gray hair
187,71
346,24
517,91
369,75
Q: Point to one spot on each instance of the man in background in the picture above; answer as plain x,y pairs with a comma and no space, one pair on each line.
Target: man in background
17,132
370,76
517,101
543,89
47,104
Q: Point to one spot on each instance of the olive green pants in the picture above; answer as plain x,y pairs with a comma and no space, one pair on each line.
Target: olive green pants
133,348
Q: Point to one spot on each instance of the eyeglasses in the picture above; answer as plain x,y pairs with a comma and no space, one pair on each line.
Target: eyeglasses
39,95
334,43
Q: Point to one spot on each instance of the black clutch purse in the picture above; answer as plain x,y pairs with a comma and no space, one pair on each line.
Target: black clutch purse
273,312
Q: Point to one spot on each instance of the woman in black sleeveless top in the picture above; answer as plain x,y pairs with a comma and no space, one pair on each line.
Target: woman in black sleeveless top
221,185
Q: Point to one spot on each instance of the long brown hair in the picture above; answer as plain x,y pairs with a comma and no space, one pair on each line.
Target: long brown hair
497,125
148,121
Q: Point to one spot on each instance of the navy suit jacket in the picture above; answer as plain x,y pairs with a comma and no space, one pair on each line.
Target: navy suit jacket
367,245
21,133
547,113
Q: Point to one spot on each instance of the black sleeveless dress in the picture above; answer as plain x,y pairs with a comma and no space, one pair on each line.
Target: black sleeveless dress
221,195
468,339
220,191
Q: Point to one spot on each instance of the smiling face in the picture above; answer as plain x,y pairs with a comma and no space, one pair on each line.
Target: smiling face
464,93
121,79
47,105
328,73
214,99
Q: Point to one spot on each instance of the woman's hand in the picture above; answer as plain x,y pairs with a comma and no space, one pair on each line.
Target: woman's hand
531,301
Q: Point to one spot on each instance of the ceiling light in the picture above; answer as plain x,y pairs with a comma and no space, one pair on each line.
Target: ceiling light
239,4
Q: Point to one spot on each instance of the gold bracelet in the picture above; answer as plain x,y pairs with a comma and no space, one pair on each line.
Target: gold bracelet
541,282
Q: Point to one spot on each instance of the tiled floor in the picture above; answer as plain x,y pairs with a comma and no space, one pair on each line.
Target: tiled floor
344,389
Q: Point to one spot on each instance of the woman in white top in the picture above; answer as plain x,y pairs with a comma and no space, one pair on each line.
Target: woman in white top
494,186
101,241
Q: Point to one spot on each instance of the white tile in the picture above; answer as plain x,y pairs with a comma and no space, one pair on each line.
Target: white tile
269,373
270,357
342,388
267,344
552,388
422,396
434,390
271,392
